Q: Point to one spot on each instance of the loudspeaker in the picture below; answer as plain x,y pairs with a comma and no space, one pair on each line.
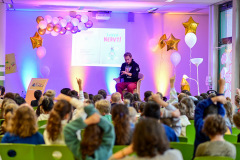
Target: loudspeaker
130,17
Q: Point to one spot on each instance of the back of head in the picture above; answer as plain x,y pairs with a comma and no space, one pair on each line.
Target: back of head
147,94
204,95
152,110
60,109
23,122
47,104
187,105
116,97
2,89
181,96
228,109
38,94
91,96
103,93
65,91
86,96
132,114
50,93
103,106
120,117
237,100
128,96
186,92
142,106
160,94
92,139
5,103
149,138
97,98
19,100
136,97
9,95
73,93
214,125
211,95
236,119
212,109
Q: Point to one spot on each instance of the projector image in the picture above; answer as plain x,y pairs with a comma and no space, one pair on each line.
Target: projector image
101,15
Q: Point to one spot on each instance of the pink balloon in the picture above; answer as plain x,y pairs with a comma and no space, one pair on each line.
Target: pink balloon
69,26
74,29
63,31
60,18
41,52
45,71
89,24
78,16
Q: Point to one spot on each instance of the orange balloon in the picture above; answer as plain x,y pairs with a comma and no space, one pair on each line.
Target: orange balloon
57,28
36,40
39,18
162,42
41,31
50,27
190,26
172,43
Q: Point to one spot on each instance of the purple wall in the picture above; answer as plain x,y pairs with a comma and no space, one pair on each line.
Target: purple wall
156,66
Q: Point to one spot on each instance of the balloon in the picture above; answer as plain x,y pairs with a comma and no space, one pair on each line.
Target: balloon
55,20
53,33
81,25
74,29
172,43
89,24
60,18
50,27
47,32
57,28
84,18
36,40
41,31
63,22
38,26
78,16
63,31
69,26
72,14
48,18
175,58
42,24
39,19
190,26
68,18
45,71
190,39
41,52
162,42
68,32
75,21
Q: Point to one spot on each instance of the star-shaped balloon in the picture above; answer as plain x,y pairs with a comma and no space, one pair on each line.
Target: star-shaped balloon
36,40
172,43
190,26
162,42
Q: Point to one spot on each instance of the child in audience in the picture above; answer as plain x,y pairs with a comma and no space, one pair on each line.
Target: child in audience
229,115
22,127
204,108
97,98
98,137
141,110
115,99
103,93
46,106
37,95
136,101
147,94
237,103
236,121
104,107
149,145
57,120
120,116
5,103
132,117
215,127
128,96
19,100
51,94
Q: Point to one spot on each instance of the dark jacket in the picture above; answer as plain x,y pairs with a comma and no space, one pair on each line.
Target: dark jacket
134,69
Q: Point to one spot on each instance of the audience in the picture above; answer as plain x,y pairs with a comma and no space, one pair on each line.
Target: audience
104,107
46,106
51,94
236,120
128,96
103,93
147,94
228,116
115,99
97,98
37,95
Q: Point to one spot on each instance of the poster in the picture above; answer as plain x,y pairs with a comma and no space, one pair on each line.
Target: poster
10,64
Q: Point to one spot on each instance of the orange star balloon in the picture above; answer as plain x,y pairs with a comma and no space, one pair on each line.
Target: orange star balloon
162,42
36,40
190,26
172,43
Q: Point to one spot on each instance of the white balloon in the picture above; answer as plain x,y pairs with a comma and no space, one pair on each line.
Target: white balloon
81,25
75,21
41,52
55,20
190,39
63,22
175,58
68,18
42,24
53,33
45,71
84,18
47,32
48,18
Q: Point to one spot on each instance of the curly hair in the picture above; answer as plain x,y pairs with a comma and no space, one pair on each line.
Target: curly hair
92,139
186,107
9,110
103,106
214,125
5,103
236,119
23,122
149,138
120,117
54,127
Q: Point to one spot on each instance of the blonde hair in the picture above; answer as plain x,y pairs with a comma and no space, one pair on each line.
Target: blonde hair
5,103
132,114
50,93
23,122
116,97
103,106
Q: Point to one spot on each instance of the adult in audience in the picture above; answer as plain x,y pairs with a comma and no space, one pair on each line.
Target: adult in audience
37,95
57,120
129,73
98,137
104,107
215,128
103,93
149,145
22,127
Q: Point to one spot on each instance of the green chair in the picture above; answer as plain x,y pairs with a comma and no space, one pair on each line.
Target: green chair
237,145
35,108
1,136
230,138
192,122
235,131
190,133
1,121
118,148
212,158
17,151
42,122
52,152
183,139
185,148
41,130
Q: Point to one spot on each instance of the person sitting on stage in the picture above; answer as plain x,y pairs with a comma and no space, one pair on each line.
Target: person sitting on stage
129,72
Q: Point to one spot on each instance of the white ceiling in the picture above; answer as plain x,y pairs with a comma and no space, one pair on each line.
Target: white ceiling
137,6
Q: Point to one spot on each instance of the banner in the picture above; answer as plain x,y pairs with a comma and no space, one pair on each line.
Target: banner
10,64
